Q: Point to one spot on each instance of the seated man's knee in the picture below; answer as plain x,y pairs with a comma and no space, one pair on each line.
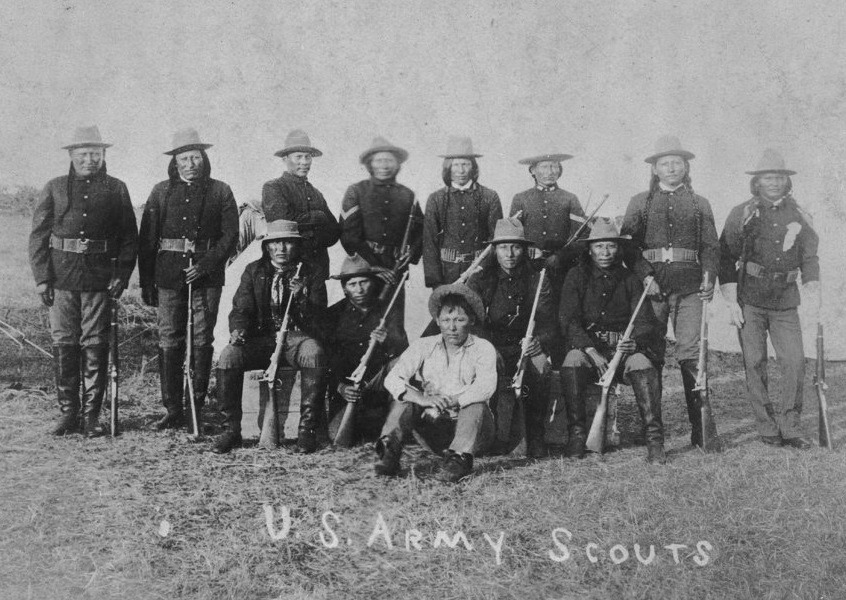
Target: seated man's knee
310,354
638,362
577,358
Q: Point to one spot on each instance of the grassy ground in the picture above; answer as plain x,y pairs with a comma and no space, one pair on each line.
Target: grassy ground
150,515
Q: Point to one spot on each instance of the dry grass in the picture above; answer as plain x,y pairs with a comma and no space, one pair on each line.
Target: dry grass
84,519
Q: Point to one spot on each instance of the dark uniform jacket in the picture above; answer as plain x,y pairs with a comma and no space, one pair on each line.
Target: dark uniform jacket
550,216
594,300
251,305
508,303
94,208
459,221
294,199
347,336
780,238
377,211
677,219
203,211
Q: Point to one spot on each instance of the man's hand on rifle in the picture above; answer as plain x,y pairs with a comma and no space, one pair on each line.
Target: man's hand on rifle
349,392
599,361
729,291
386,275
192,273
296,285
45,291
532,347
706,292
236,338
627,346
379,335
150,295
652,287
116,287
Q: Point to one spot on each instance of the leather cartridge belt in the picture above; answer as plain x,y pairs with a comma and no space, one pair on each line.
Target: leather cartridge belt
384,249
756,270
609,337
536,253
671,255
79,245
452,255
183,245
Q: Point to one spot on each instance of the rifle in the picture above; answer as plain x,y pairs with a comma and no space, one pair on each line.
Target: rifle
404,257
269,437
187,369
344,435
114,365
18,336
588,219
476,264
821,387
517,380
710,439
596,436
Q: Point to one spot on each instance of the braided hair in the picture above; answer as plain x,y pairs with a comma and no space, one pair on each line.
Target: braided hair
688,185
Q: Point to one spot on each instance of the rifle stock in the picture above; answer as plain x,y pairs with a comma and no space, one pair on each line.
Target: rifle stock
474,266
596,437
405,255
710,439
114,366
821,387
517,380
344,436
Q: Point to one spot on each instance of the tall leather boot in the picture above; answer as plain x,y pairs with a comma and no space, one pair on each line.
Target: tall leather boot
66,360
170,376
313,393
647,391
230,384
536,408
95,363
574,382
202,373
691,397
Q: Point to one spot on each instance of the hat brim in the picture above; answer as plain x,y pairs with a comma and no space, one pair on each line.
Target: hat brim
545,157
618,239
188,147
86,145
510,240
468,294
281,236
401,154
787,172
683,153
460,155
286,151
342,277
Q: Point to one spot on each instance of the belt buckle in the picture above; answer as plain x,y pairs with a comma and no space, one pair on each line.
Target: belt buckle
666,255
190,246
83,245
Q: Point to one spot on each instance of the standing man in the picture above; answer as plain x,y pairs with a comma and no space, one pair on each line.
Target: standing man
674,230
293,198
82,223
350,325
767,243
258,311
376,213
188,231
441,387
507,288
459,217
550,216
597,301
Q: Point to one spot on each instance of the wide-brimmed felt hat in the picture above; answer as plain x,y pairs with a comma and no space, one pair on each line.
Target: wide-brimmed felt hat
554,157
459,147
668,145
509,230
86,136
771,162
354,266
380,144
604,229
472,298
282,230
297,141
185,140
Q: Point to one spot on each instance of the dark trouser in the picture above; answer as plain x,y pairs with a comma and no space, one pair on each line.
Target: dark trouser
578,372
786,334
535,398
471,432
373,407
301,352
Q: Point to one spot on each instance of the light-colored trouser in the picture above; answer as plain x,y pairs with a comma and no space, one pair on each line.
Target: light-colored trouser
80,318
633,362
685,311
472,432
786,334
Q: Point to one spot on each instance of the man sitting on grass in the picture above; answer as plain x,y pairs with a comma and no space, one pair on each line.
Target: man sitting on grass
441,387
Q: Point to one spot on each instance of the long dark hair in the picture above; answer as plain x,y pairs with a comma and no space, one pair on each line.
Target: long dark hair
446,172
753,185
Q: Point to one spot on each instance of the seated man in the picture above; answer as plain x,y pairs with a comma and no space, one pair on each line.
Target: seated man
258,310
350,326
441,387
508,288
597,301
